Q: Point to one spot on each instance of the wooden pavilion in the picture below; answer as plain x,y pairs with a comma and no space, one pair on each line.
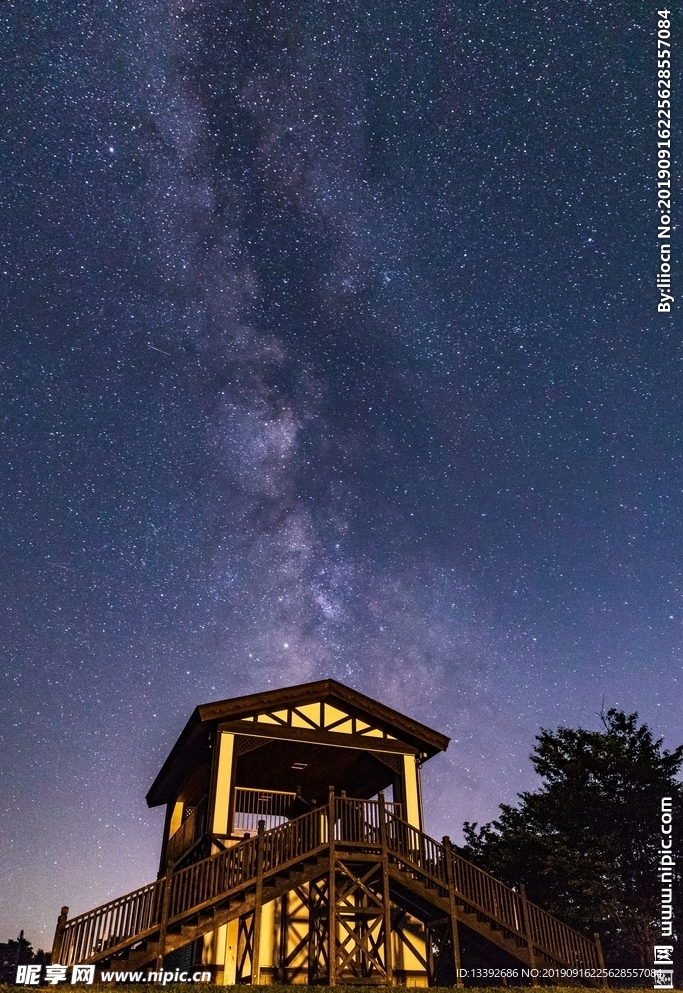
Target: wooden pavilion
294,852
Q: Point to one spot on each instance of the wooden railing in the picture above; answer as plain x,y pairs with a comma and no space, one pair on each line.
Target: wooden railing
567,944
488,895
138,914
423,854
131,916
251,806
356,823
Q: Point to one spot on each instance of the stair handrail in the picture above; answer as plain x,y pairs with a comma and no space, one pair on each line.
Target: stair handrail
495,898
129,916
127,919
578,950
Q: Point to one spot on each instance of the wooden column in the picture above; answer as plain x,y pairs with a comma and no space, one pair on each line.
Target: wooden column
221,783
386,894
258,907
332,895
601,958
429,955
527,931
411,787
166,903
284,940
452,908
59,936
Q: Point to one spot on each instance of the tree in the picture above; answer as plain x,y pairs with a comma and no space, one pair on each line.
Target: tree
586,844
19,952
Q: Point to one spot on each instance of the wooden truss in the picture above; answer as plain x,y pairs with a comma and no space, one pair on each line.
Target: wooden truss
348,927
362,915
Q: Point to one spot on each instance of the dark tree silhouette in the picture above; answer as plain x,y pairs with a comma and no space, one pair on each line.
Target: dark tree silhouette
19,952
586,844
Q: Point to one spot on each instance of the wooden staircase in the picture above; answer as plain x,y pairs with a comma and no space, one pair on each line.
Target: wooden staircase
424,877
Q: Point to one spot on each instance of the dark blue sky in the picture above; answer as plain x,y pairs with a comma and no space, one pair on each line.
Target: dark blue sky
330,348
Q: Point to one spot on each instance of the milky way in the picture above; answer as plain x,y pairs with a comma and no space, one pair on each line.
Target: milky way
332,350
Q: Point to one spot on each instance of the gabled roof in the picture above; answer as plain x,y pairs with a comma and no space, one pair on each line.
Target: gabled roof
392,727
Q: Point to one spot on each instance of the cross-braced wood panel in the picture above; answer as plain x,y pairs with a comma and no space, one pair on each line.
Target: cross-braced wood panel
293,945
441,956
369,932
412,944
352,896
318,948
245,948
362,946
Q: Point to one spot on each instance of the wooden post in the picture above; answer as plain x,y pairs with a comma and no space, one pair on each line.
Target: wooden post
280,974
601,959
59,936
166,903
258,906
429,949
527,931
452,908
386,893
332,896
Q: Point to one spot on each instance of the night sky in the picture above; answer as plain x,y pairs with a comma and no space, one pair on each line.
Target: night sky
330,348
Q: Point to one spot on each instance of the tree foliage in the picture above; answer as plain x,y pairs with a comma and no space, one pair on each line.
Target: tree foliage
586,844
19,952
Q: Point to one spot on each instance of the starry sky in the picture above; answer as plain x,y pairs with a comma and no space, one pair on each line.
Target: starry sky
329,348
